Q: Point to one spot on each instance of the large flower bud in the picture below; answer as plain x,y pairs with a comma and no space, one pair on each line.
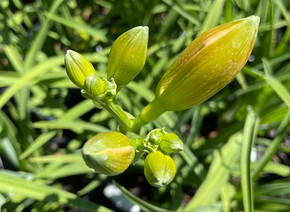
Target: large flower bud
159,169
207,65
108,153
77,68
128,55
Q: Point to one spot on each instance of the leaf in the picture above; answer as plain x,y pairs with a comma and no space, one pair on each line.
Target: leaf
143,204
78,26
13,185
28,78
279,88
282,7
40,141
14,57
182,12
249,135
218,174
40,38
67,158
213,15
76,126
271,150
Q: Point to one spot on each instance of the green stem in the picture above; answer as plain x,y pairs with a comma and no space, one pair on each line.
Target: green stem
148,114
119,114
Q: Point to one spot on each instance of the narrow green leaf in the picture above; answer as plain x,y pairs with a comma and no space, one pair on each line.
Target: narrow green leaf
40,141
213,15
92,185
8,78
28,78
78,110
135,200
277,25
249,134
282,7
66,170
12,185
40,38
246,4
218,174
267,67
279,88
193,162
78,26
67,158
6,148
14,57
77,126
278,169
227,195
182,12
271,150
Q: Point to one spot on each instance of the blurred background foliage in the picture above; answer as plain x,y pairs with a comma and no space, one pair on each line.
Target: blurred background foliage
237,151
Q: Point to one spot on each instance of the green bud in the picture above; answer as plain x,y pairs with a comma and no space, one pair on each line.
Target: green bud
128,55
206,66
94,85
108,153
156,135
110,88
171,143
159,169
77,68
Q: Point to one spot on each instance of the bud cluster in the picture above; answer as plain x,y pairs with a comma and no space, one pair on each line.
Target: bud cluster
207,65
159,167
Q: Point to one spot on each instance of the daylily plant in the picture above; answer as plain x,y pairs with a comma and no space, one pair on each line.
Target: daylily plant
206,66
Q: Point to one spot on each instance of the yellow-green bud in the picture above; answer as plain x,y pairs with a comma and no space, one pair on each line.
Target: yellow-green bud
94,85
77,68
159,169
171,143
128,55
108,153
207,65
156,135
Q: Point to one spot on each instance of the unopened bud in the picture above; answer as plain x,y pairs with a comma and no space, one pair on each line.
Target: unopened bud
159,169
108,153
77,68
128,55
171,143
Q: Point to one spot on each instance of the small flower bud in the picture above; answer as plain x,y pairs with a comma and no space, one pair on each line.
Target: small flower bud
110,88
94,85
156,136
128,55
108,153
77,68
171,143
159,169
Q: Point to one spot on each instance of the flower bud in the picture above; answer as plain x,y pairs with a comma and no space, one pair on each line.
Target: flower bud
128,55
156,135
171,143
159,169
77,68
108,153
94,85
207,65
